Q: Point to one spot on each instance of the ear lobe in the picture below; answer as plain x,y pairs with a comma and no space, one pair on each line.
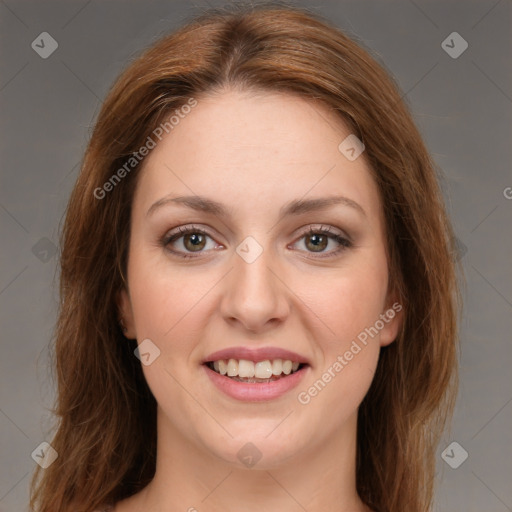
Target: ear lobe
392,318
124,307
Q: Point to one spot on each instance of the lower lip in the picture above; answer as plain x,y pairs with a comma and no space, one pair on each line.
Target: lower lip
255,392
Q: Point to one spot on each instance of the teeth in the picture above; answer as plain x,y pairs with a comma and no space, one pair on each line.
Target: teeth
232,368
246,368
277,367
261,370
223,367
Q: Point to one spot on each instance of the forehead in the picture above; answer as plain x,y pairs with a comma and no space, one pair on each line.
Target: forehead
256,151
234,126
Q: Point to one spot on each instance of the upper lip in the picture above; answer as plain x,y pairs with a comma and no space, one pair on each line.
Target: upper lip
255,354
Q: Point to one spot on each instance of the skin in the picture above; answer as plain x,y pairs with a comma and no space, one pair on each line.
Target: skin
240,148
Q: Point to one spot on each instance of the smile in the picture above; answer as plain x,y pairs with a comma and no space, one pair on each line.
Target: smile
255,381
242,369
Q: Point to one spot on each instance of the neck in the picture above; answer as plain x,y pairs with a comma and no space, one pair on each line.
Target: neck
190,477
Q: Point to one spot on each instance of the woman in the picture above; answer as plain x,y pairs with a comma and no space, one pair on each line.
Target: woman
259,302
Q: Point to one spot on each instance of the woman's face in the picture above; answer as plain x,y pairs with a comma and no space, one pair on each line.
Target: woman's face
261,274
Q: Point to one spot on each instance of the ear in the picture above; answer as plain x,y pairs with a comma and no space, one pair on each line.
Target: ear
392,317
124,306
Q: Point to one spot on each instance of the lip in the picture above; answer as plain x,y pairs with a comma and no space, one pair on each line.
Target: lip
255,392
256,354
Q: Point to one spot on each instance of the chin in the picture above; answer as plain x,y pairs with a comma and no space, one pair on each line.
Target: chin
256,450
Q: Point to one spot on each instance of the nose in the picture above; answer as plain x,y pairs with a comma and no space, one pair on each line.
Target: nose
255,295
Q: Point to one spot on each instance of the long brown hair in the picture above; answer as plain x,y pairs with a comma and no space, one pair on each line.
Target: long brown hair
106,415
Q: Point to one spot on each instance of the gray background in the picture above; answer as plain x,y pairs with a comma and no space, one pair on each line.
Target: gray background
463,108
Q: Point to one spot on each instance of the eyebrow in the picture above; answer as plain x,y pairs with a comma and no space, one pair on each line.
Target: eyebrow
295,207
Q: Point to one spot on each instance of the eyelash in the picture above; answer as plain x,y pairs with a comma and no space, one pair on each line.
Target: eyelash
344,242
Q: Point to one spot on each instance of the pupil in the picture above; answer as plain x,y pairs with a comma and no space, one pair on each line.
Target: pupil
195,240
318,242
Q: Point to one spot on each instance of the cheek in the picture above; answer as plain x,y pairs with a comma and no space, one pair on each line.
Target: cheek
350,303
169,309
169,303
352,315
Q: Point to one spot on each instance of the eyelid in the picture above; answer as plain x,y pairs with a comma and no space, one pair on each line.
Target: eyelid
181,231
324,228
333,233
345,241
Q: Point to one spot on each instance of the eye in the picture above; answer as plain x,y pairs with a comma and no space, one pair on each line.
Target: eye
317,240
194,240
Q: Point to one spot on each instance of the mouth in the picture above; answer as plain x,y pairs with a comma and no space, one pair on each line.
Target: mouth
243,370
255,381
